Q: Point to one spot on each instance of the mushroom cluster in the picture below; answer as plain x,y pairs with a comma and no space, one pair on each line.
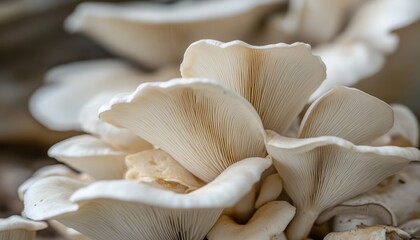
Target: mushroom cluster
189,158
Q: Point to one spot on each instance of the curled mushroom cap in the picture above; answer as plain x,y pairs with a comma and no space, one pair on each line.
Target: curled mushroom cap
18,228
140,211
157,34
322,171
267,76
267,223
202,124
378,232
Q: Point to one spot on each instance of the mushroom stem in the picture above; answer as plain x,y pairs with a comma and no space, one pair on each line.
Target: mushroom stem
301,225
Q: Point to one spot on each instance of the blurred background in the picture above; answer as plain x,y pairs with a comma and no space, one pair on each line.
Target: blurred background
32,41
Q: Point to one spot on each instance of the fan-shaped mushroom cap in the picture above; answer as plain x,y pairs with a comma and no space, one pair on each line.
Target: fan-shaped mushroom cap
52,170
378,232
158,34
69,87
202,124
404,132
164,214
267,223
268,76
90,155
18,228
323,171
159,168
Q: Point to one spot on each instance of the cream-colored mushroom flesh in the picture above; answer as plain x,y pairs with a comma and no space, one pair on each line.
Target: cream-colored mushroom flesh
378,232
157,34
202,124
18,228
276,79
119,203
91,156
159,168
267,223
347,113
324,171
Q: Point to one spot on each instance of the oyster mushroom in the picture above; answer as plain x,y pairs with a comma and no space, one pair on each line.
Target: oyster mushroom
267,76
379,232
157,34
119,203
56,106
18,228
202,124
267,223
392,202
412,227
324,167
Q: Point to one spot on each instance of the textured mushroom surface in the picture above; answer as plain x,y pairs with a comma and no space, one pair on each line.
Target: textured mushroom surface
202,124
267,76
18,228
119,203
378,232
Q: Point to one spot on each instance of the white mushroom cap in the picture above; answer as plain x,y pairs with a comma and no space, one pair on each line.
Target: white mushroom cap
140,211
267,76
323,171
91,156
270,190
157,34
267,223
202,124
18,228
159,168
378,232
69,87
52,170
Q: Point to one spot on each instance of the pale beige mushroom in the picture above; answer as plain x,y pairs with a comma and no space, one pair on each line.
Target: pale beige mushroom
69,87
140,211
268,222
157,34
91,156
271,188
67,233
276,79
392,202
324,167
18,228
378,232
202,124
412,227
159,168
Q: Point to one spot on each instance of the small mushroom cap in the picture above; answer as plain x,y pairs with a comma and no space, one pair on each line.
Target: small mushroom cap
157,166
202,124
52,170
19,223
157,34
165,214
91,156
267,223
378,232
267,76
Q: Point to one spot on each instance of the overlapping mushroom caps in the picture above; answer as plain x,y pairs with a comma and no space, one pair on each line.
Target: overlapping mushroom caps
18,228
326,164
122,209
